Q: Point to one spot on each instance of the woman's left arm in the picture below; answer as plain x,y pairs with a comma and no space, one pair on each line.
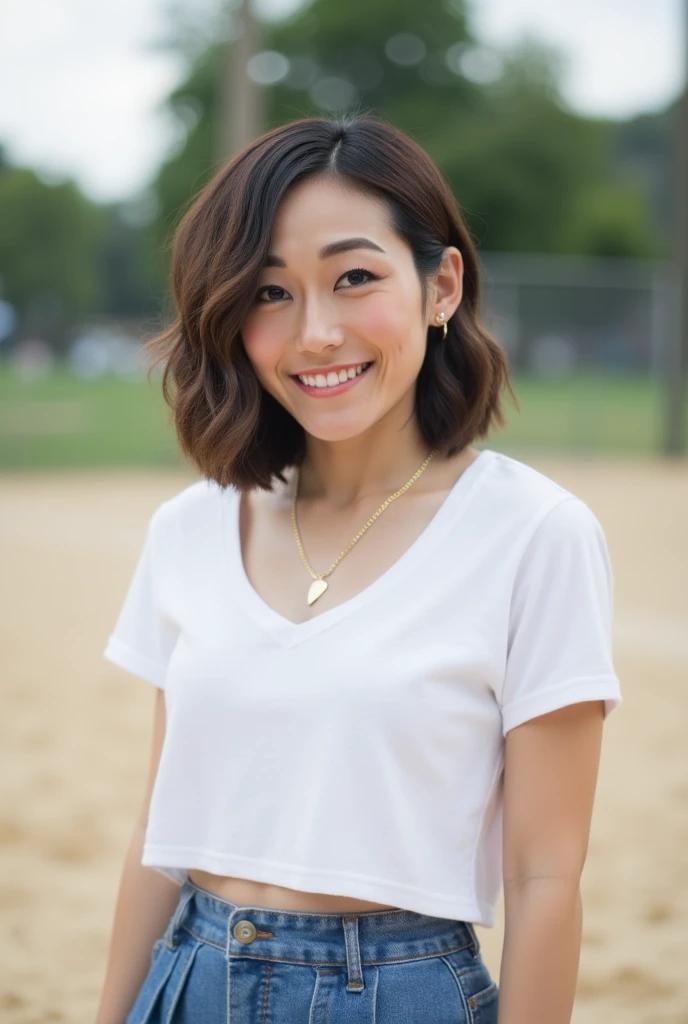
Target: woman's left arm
550,775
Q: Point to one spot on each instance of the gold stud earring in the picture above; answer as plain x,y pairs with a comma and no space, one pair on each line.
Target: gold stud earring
442,324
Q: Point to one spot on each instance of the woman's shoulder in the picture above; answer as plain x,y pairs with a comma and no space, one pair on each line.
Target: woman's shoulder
192,508
525,498
521,484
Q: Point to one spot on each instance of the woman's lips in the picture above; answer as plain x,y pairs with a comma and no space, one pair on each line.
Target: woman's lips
336,389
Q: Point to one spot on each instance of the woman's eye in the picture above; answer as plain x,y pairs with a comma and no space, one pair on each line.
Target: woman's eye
269,288
357,273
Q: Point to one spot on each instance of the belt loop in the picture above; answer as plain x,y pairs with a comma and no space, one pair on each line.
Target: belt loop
355,981
475,944
171,930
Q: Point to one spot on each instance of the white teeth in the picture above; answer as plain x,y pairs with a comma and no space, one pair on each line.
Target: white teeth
319,380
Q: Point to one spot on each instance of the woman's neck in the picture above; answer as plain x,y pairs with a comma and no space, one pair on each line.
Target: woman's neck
345,472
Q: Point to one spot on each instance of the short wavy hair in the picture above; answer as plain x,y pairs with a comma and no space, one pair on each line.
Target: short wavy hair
226,422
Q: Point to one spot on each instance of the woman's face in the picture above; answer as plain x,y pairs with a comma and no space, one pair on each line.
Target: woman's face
320,313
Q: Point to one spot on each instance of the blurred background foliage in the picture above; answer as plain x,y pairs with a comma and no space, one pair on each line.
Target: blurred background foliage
530,174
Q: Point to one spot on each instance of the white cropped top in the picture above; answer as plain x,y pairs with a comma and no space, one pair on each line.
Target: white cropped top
360,753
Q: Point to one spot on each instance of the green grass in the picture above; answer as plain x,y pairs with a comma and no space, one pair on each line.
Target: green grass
61,421
593,413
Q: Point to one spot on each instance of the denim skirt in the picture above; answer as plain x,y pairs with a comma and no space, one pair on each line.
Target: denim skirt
219,963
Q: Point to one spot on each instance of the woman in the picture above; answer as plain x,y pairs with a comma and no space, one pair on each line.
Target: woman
379,651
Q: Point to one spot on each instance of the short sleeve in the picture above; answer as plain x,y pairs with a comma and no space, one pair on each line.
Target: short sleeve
144,636
560,626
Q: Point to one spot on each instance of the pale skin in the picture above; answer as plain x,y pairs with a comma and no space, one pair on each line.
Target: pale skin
316,313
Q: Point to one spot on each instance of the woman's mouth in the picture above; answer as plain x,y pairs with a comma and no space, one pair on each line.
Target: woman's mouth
324,385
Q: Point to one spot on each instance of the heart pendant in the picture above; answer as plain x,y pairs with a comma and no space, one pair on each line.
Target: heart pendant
316,588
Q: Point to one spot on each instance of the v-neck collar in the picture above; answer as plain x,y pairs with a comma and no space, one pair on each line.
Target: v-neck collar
288,633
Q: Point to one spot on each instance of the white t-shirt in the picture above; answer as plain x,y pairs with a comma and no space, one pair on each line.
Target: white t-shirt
360,753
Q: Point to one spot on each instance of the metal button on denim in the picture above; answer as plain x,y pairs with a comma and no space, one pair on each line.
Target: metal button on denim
245,931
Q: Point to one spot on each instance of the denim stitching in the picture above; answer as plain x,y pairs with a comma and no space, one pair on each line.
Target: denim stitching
229,977
481,996
201,938
376,980
264,1013
163,981
175,920
313,1013
474,940
353,955
468,1010
182,980
342,963
364,963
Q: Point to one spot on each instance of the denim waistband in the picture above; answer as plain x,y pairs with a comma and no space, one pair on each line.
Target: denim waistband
305,937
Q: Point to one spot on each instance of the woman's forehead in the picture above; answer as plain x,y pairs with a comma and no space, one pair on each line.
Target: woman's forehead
316,219
321,201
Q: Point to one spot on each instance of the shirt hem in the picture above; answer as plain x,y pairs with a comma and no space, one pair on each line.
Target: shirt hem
138,664
604,688
334,883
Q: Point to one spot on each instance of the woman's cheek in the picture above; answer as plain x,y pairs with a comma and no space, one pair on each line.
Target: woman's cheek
382,318
263,344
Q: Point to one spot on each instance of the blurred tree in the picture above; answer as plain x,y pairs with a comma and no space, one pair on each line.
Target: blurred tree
523,167
49,237
540,175
611,221
64,257
644,156
529,174
193,161
125,265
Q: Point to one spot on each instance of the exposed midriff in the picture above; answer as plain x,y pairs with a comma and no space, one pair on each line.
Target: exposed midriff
245,892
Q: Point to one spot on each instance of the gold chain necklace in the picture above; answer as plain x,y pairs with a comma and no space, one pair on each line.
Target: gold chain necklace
319,585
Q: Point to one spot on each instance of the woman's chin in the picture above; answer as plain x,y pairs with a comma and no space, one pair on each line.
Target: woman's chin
335,429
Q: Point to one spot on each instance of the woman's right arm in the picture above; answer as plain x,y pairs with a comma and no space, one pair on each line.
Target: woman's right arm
145,904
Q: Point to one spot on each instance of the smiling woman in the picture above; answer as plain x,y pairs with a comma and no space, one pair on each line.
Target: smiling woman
333,765
317,230
312,310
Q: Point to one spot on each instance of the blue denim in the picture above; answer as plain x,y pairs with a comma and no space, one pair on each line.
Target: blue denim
219,963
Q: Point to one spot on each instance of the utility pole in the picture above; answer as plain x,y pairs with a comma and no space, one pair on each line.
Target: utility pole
677,362
241,100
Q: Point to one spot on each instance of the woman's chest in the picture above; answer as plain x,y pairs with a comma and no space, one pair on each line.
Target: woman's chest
404,624
403,653
280,559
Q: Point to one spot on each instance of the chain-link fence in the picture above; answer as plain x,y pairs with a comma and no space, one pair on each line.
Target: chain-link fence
558,315
592,346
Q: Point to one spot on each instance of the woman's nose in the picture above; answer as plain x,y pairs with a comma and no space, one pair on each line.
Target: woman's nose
317,330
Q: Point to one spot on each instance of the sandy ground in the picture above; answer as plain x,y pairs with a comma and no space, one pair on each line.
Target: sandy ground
75,735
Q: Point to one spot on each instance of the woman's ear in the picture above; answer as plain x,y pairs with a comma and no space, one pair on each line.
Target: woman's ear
447,286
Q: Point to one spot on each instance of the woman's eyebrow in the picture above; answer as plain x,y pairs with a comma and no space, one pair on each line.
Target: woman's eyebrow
343,245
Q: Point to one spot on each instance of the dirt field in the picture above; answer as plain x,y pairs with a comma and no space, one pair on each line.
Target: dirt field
75,734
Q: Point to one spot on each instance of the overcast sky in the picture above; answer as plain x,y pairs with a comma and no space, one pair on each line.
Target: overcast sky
80,80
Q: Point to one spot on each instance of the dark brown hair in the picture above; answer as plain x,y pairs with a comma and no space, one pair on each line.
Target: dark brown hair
232,428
